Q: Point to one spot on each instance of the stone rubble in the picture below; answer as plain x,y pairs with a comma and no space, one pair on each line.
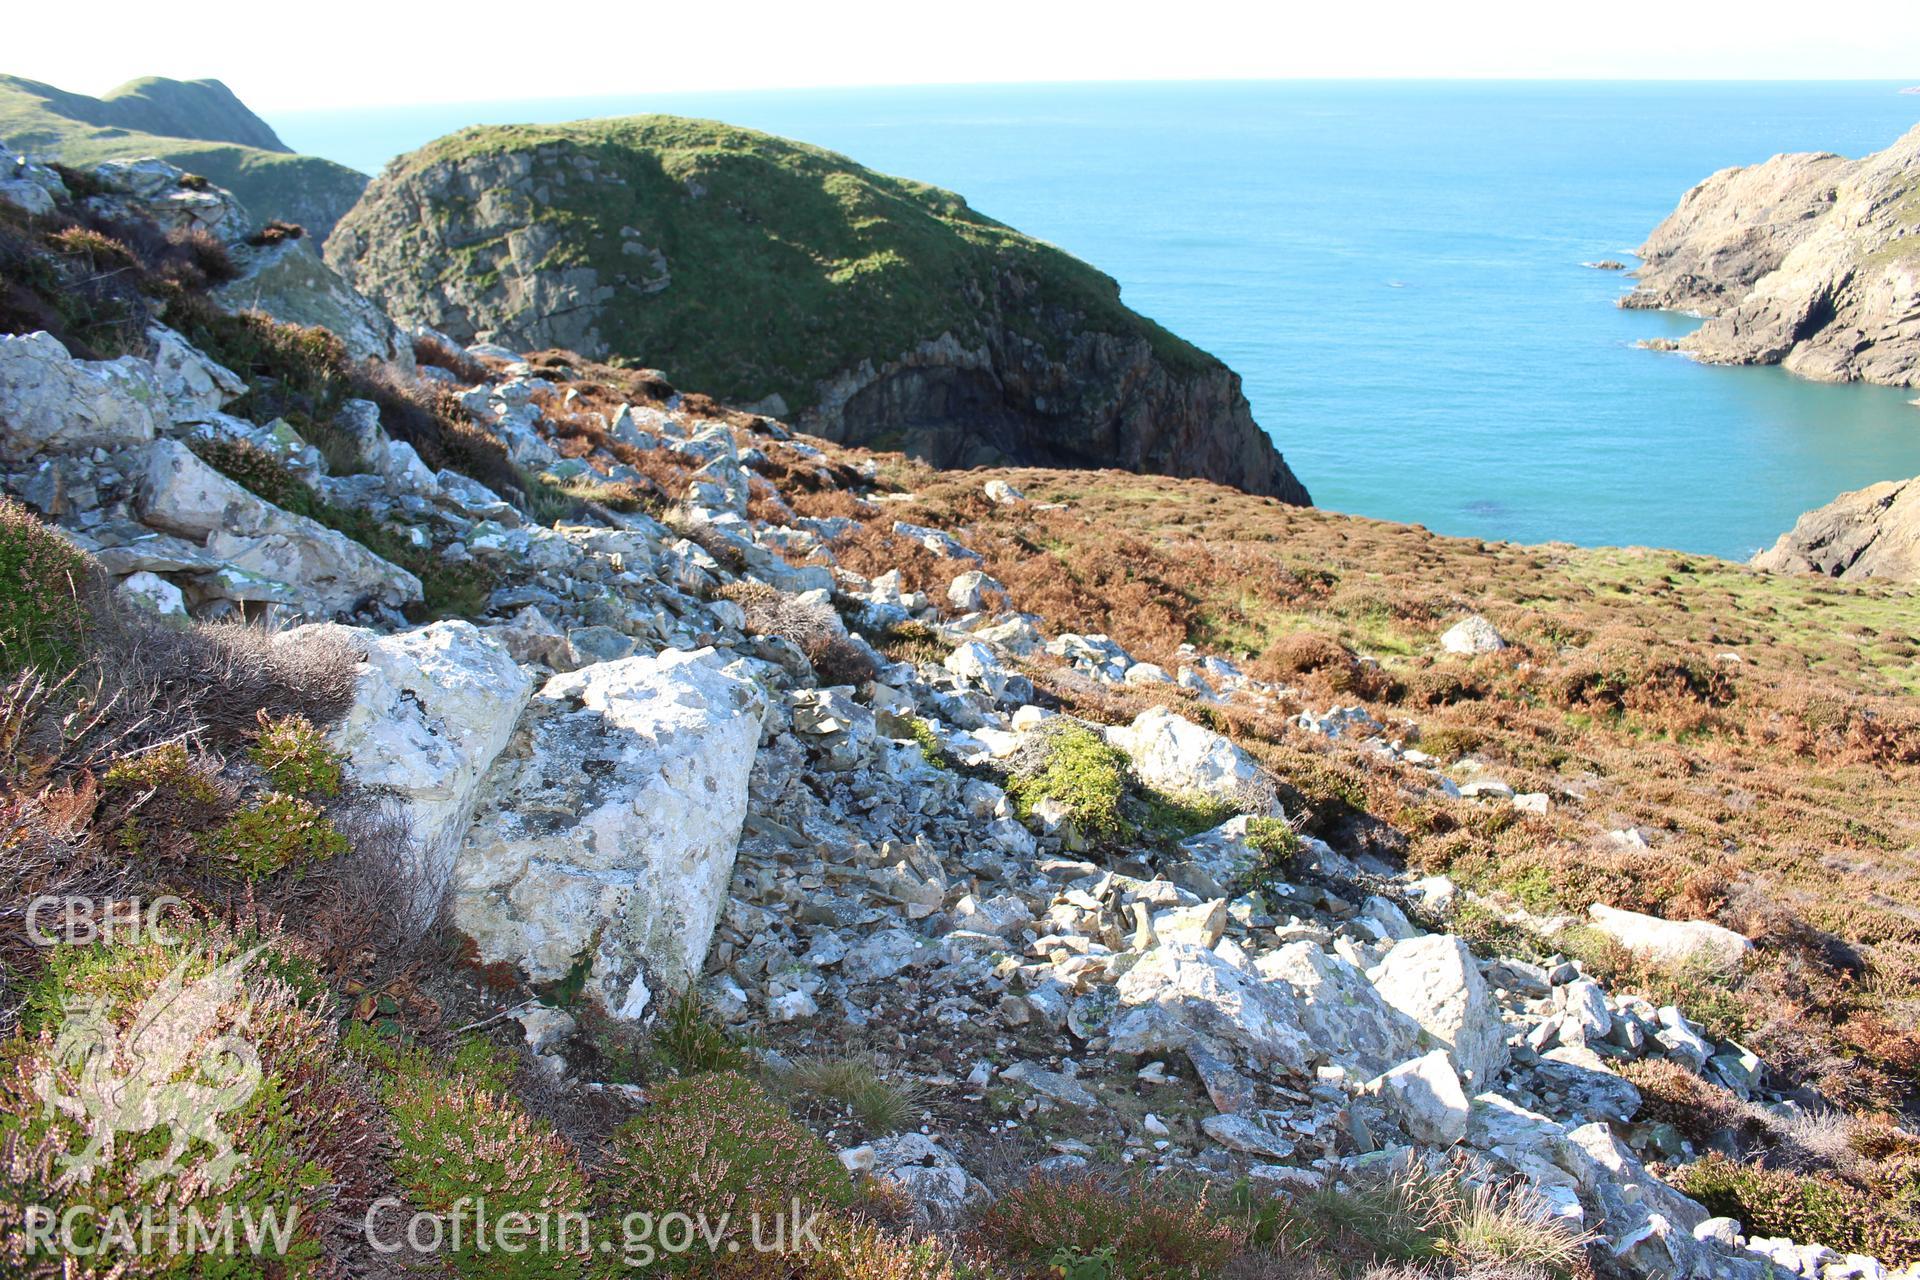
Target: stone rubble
621,783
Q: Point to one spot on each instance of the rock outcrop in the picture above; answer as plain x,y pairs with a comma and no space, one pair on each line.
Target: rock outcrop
198,125
872,309
58,404
264,554
1808,261
1870,533
285,279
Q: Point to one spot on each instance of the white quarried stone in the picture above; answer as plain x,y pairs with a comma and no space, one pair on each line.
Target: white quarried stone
608,829
971,590
1425,1094
1180,994
939,1190
1351,1024
1672,941
974,662
1180,757
34,189
149,590
1434,980
1002,494
193,383
433,708
52,403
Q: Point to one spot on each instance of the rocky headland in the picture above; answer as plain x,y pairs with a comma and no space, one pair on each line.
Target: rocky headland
868,309
1808,261
586,795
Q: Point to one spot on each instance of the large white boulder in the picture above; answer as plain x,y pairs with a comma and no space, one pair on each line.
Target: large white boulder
1433,980
1671,941
1472,634
267,553
1349,1021
1184,759
52,403
1181,994
607,833
433,708
939,1191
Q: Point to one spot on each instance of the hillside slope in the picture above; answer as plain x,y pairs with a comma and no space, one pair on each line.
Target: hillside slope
875,309
197,124
1034,872
1807,261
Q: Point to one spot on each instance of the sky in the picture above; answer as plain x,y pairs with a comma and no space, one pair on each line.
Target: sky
353,53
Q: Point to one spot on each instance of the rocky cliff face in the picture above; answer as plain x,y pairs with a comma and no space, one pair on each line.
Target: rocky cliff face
1870,533
1807,261
870,309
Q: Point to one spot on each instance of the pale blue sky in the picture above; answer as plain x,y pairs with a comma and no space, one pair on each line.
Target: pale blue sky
356,53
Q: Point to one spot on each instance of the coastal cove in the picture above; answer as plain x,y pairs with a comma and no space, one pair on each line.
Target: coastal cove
1395,270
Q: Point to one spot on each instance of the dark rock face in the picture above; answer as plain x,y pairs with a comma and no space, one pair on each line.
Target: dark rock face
1108,403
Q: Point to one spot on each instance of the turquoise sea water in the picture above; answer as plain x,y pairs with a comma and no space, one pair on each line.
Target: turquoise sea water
1394,268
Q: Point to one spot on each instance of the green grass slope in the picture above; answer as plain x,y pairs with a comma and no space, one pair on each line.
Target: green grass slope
789,262
197,124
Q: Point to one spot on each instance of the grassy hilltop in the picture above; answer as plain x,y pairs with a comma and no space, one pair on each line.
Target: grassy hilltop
845,262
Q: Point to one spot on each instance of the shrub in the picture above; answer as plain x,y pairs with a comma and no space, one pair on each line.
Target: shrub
1276,849
810,624
460,1140
296,757
196,260
1155,1231
431,351
100,252
688,1041
43,580
1809,1207
276,833
932,749
168,801
883,1106
276,232
718,1144
302,1138
259,473
1301,653
1699,1109
217,679
1073,766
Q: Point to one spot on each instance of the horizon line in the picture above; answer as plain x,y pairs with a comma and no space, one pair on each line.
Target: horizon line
1897,85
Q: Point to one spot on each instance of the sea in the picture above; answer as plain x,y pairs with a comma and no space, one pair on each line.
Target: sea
1394,268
